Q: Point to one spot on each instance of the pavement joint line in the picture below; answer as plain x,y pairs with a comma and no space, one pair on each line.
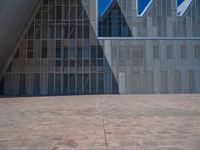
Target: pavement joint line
103,124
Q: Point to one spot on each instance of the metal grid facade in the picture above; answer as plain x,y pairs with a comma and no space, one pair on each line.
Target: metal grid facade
60,53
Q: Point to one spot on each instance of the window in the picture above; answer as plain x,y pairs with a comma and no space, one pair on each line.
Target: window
2,86
72,63
93,63
86,83
177,81
29,54
30,49
52,31
44,49
58,32
66,10
197,51
72,52
44,30
36,84
100,83
65,53
79,63
191,81
100,52
58,49
79,53
22,84
66,31
100,62
164,82
31,32
58,63
30,45
58,84
170,52
72,84
93,52
86,31
183,51
79,32
156,52
52,11
86,63
65,63
111,20
65,83
93,83
59,13
72,30
51,84
150,81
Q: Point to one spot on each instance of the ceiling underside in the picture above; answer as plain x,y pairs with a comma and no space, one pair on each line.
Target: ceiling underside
14,15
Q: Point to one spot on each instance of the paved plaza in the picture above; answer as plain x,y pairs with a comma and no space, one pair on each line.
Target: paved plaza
112,122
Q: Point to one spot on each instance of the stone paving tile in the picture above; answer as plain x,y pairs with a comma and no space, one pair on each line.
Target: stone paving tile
152,122
115,122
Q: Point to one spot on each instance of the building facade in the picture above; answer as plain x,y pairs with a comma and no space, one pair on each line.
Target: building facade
68,49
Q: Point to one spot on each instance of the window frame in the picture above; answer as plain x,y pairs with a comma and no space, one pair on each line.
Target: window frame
144,11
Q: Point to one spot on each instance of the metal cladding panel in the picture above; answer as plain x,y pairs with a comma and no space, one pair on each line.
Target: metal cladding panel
14,15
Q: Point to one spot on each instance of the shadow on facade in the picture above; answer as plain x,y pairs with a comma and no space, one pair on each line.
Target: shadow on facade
2,87
76,63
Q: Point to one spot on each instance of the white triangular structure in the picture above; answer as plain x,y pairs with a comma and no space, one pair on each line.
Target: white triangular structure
183,7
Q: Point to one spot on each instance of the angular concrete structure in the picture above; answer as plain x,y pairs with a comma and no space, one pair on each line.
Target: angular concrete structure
14,16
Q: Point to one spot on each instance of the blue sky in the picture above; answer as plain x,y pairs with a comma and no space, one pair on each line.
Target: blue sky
103,4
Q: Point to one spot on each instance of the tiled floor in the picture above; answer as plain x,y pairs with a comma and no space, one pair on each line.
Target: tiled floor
129,122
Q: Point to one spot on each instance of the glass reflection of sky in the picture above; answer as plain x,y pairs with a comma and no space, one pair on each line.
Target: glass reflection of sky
142,4
103,4
179,2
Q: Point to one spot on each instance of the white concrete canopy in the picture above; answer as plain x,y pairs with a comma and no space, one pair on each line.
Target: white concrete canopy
14,15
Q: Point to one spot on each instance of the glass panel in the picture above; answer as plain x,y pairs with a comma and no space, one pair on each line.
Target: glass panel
182,6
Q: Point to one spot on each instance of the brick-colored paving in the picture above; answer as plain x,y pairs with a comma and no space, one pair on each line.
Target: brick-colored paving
131,122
